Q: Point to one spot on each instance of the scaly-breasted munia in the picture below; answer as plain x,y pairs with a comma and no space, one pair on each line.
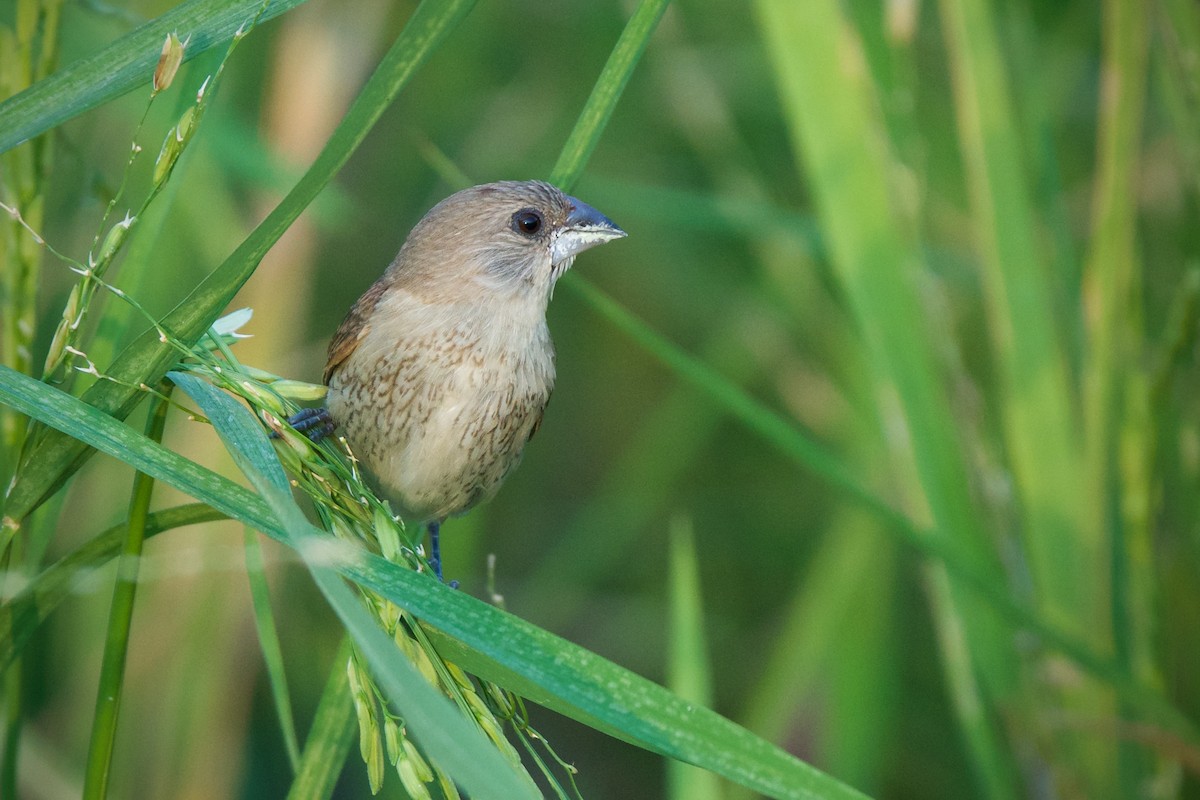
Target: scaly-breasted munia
441,371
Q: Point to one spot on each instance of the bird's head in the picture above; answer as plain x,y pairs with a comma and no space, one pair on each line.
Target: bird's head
513,237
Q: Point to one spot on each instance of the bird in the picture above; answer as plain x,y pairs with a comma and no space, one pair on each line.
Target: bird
441,371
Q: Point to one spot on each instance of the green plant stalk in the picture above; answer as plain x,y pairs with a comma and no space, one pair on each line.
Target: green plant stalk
991,772
27,53
331,736
149,357
1039,422
112,668
603,99
865,694
1117,408
268,638
12,731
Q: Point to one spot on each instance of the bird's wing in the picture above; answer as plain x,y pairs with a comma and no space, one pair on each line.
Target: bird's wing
353,328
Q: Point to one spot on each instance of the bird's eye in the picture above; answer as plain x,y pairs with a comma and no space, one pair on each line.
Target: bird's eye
527,221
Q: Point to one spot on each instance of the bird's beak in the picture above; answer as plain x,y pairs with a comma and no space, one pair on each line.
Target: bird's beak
585,227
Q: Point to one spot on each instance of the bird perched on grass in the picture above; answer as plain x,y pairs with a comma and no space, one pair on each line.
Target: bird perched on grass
441,371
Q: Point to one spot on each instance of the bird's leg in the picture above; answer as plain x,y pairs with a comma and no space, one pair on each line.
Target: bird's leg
435,548
435,552
315,423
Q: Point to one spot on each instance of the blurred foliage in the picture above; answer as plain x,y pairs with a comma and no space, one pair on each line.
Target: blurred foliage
1033,169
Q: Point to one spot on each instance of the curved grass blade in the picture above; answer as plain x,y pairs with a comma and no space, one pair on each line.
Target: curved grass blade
124,65
145,360
480,638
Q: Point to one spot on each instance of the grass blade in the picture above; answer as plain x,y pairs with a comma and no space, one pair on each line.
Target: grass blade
688,666
1039,419
268,640
607,91
125,64
1119,418
831,109
120,622
480,638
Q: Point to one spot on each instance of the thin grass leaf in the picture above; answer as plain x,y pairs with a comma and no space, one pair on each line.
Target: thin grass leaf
110,687
331,736
605,94
688,673
268,641
145,360
125,64
1120,429
1039,419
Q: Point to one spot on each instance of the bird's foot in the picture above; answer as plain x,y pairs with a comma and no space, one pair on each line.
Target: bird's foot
315,423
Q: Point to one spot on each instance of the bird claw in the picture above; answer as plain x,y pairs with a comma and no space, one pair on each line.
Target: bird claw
315,423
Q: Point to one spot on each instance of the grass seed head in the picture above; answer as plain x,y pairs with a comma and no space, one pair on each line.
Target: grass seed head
169,61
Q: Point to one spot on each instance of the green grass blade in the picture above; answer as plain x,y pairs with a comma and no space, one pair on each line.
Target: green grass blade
687,665
331,736
120,623
1039,418
148,357
479,637
1118,414
125,64
607,91
272,650
21,616
815,60
831,110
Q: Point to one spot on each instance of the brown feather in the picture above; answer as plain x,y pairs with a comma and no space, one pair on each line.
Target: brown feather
353,328
537,423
